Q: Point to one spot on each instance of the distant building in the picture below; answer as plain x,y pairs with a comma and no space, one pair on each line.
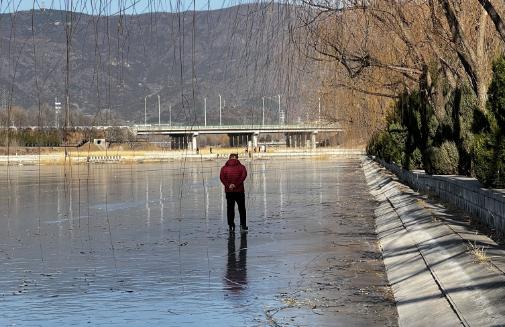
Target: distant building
101,143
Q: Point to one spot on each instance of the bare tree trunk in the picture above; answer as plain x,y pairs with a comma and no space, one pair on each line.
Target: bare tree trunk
495,17
480,71
471,61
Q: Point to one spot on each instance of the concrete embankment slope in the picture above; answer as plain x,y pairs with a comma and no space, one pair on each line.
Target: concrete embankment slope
435,264
486,205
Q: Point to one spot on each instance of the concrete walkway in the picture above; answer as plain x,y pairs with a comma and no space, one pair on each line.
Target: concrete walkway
442,272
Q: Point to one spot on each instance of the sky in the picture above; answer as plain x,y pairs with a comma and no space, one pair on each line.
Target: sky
111,7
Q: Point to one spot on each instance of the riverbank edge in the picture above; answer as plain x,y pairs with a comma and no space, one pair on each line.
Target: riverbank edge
466,193
128,157
430,265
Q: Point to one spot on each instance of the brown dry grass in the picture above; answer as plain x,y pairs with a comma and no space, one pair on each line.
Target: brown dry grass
478,252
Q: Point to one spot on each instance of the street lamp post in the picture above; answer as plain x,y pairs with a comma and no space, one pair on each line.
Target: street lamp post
159,111
170,114
263,112
145,110
319,112
220,121
279,108
281,113
205,111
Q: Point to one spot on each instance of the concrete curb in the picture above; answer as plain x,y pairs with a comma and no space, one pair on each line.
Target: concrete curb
433,275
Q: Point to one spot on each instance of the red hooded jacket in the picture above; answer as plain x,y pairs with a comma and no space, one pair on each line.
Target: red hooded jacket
233,172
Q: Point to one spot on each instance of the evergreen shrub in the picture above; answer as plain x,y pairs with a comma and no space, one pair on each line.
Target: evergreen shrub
443,160
489,147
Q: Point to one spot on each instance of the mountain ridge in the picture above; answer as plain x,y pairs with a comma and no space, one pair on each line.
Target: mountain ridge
118,65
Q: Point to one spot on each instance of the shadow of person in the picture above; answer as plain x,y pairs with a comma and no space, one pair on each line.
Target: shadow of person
236,269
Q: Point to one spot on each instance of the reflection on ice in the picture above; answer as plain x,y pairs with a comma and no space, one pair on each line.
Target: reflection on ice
236,266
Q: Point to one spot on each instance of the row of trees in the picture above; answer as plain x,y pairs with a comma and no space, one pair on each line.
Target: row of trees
51,137
466,140
383,47
28,138
417,76
18,116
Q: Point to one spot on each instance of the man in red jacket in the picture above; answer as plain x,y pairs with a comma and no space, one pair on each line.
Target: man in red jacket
233,175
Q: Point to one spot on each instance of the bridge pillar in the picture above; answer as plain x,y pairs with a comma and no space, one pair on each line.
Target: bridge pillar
180,142
173,142
295,140
255,139
239,140
313,139
194,143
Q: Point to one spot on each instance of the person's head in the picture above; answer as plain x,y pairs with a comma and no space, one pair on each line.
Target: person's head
233,156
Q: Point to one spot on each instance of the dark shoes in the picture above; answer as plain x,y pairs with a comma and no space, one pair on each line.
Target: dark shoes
243,229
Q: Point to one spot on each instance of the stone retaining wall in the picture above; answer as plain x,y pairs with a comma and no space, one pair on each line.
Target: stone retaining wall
488,205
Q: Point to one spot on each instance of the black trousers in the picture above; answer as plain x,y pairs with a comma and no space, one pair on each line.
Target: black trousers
239,198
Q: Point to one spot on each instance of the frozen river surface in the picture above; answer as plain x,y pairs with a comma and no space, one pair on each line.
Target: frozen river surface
148,245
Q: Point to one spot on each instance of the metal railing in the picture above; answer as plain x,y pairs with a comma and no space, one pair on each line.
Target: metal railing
155,127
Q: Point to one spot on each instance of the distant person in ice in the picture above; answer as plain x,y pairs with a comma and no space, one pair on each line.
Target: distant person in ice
233,175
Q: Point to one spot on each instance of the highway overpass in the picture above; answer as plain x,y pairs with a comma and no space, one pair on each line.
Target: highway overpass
240,135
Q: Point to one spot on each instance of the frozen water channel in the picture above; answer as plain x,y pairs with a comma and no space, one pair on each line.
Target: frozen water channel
148,245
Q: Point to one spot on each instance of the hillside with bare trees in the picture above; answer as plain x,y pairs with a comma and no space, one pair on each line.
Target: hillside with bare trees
109,67
422,79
